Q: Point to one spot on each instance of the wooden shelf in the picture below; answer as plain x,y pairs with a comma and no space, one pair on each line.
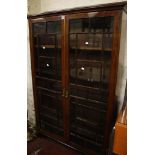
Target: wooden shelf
90,33
89,107
52,91
45,78
47,46
74,48
89,87
89,100
48,33
91,49
47,57
92,61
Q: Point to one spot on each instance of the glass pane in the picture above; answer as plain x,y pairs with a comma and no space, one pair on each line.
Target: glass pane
39,28
90,47
53,27
79,25
95,32
48,54
89,71
86,41
50,111
94,24
101,24
48,78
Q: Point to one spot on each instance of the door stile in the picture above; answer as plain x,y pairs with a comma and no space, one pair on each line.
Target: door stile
65,77
112,79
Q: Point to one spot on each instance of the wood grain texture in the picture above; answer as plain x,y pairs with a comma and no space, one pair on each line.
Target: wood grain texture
106,10
113,79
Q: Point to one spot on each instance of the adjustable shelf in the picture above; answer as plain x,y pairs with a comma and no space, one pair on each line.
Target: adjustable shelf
85,49
49,79
47,46
49,90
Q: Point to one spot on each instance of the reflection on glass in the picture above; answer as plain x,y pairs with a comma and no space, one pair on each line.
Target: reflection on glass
48,51
93,24
90,55
90,60
53,27
39,28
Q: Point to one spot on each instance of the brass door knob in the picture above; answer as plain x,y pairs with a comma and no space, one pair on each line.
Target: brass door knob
63,93
66,94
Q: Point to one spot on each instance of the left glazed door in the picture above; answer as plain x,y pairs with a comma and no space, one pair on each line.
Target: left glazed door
47,53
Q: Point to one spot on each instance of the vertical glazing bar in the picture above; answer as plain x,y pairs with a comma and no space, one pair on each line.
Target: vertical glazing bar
76,55
38,50
56,56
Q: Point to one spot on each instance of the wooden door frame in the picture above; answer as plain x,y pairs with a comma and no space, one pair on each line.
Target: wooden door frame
113,68
33,69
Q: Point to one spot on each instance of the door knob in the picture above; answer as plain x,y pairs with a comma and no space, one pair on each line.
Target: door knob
63,93
66,94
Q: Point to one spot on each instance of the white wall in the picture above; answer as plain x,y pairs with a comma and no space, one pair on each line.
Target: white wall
122,66
30,101
33,6
50,5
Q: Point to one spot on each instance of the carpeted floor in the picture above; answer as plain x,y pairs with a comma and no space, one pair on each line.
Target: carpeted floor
44,146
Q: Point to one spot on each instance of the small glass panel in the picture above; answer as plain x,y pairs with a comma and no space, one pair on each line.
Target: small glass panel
86,41
101,24
53,27
46,39
79,25
39,28
50,111
48,52
94,24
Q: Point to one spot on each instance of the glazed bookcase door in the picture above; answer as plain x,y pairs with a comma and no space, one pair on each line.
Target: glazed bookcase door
47,48
90,54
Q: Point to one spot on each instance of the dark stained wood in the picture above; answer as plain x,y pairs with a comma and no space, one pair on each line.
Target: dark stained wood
38,20
113,79
66,78
53,18
102,105
97,14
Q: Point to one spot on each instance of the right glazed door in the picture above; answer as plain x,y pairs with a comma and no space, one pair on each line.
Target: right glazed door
90,53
